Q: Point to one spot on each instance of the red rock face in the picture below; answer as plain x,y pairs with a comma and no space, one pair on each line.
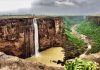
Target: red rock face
50,32
17,35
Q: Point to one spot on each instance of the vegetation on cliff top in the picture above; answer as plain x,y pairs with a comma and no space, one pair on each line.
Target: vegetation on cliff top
90,29
75,46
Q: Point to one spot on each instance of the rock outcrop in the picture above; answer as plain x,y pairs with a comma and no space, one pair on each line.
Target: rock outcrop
14,63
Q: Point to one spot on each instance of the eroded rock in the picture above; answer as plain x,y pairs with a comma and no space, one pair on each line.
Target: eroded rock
14,63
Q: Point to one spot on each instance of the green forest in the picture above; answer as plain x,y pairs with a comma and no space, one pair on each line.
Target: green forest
88,28
92,30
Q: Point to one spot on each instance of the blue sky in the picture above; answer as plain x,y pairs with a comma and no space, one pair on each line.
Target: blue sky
50,7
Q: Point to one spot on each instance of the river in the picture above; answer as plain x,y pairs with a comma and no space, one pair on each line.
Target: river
83,37
48,55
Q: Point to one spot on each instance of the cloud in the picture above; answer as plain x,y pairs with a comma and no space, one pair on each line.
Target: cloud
61,7
64,3
52,8
13,5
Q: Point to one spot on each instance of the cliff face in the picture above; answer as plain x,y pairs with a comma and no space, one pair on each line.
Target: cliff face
95,19
17,35
50,32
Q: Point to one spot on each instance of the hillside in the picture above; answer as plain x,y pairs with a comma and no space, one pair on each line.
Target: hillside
92,30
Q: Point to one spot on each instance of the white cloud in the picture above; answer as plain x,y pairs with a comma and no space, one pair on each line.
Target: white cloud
62,7
65,3
51,7
11,5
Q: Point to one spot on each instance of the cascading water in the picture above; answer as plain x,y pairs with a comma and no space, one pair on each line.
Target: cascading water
36,37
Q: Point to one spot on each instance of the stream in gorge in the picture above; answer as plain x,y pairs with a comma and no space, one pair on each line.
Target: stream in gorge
82,37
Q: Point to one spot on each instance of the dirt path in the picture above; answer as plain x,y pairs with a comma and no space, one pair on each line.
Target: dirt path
83,37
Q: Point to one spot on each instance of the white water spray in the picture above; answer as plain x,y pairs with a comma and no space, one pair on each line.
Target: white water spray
36,37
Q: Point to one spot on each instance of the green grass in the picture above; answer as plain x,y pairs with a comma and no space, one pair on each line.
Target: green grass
91,30
68,22
74,39
88,29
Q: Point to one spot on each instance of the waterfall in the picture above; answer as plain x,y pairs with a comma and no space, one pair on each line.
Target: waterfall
36,37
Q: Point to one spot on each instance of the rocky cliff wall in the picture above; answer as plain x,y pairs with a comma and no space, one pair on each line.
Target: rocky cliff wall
50,32
17,35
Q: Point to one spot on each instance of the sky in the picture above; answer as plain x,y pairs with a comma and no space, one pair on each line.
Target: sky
14,5
50,7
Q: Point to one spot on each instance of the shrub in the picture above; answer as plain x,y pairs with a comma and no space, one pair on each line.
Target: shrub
79,64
